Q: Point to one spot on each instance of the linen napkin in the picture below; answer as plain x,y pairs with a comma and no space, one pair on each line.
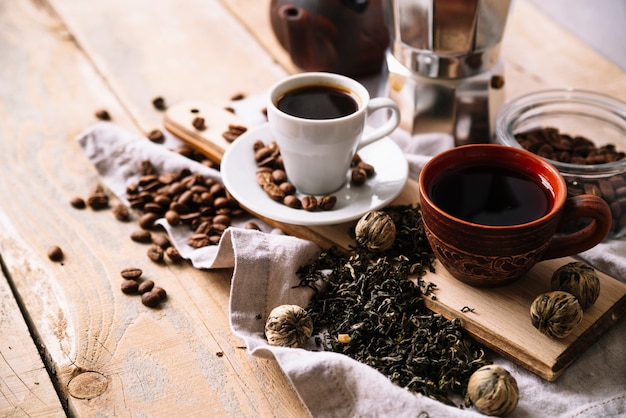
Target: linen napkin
331,384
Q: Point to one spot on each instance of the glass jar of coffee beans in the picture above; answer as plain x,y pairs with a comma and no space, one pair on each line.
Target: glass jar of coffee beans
581,133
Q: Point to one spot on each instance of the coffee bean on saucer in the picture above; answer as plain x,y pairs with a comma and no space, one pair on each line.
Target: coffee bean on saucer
309,203
327,202
292,202
358,176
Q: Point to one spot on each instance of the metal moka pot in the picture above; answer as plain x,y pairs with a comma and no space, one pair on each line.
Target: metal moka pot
444,66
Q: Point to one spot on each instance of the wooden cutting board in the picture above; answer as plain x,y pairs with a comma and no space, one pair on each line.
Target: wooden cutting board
497,318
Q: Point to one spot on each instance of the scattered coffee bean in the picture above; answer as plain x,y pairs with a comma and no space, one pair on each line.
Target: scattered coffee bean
151,299
160,292
237,96
147,220
102,114
309,203
55,253
121,213
78,202
327,202
229,109
98,199
252,225
145,286
142,236
130,287
159,103
131,273
156,136
292,202
234,132
199,123
155,253
161,240
172,253
358,176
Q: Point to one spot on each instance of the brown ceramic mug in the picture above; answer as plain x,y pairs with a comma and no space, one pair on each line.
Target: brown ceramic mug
491,212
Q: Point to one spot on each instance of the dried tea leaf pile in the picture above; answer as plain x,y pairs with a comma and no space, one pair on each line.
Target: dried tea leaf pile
370,298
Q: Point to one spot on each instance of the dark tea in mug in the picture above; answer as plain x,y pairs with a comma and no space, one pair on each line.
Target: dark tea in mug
318,102
490,195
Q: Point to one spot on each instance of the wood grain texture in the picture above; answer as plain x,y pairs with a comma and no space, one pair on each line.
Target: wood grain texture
109,354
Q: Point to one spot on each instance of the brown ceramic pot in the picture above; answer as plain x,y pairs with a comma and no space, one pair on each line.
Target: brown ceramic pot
348,37
494,255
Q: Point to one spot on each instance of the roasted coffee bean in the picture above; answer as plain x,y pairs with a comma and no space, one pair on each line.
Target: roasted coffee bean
161,240
262,154
159,103
327,202
78,203
98,201
55,253
292,202
356,159
102,114
141,235
130,287
131,273
264,177
146,167
237,96
160,292
198,240
287,188
121,213
368,168
258,144
172,217
309,203
172,253
358,176
155,253
147,220
145,286
222,220
151,299
279,176
156,136
274,191
234,132
199,123
252,225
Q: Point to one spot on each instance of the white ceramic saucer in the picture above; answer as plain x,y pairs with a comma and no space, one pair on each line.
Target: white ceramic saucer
239,176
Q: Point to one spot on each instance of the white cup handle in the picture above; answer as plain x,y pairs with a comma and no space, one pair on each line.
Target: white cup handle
385,129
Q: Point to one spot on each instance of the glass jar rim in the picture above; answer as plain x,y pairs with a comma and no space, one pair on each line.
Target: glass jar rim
511,112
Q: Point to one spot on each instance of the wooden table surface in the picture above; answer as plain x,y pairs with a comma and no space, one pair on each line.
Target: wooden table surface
70,341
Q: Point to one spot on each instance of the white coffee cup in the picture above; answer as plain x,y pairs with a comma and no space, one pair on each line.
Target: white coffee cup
317,152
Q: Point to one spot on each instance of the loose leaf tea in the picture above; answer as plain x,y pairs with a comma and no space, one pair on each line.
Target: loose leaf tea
368,308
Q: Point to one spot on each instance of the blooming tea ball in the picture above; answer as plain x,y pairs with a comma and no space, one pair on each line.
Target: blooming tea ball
288,326
556,313
493,390
580,280
376,231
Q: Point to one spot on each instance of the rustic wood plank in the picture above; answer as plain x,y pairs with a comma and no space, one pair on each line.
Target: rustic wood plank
25,385
110,354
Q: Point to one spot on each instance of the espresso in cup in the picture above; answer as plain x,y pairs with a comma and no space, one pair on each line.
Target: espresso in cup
491,212
318,121
318,102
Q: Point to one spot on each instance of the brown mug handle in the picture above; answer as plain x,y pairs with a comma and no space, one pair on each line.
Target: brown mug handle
576,207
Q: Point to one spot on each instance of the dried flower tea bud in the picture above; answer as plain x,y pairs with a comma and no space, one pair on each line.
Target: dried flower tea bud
288,326
375,231
493,390
556,313
580,280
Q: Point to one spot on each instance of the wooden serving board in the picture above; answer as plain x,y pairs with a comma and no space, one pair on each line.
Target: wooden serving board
497,318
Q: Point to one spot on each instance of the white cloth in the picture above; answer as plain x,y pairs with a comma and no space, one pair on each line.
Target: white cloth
330,384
